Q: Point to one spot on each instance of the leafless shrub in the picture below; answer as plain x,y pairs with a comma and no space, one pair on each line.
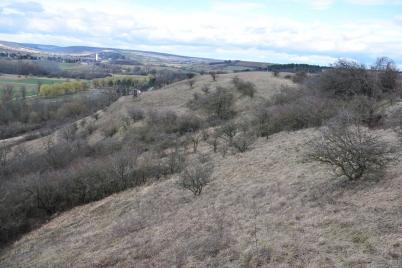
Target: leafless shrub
90,128
218,104
46,193
188,123
299,77
205,89
394,121
244,87
351,150
195,176
165,121
136,114
123,164
386,74
286,95
243,142
213,141
57,155
306,111
368,111
348,78
262,121
83,122
195,139
110,129
228,131
175,161
213,75
69,133
190,83
72,109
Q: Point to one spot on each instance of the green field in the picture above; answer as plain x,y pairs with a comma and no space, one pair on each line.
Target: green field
31,83
138,77
65,66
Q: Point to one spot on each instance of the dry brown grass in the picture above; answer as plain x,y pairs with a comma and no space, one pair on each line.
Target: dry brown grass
264,207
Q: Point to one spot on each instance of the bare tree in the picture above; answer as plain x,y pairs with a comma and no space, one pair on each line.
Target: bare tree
386,74
4,158
195,139
7,94
69,133
122,166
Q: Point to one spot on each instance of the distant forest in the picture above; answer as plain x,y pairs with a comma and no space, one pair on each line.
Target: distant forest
294,68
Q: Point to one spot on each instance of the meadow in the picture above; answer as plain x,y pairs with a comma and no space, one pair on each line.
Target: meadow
31,83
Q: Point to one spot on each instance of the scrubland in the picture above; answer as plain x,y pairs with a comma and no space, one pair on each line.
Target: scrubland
117,198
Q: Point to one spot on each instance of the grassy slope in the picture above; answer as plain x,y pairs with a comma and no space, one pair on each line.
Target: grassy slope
267,198
174,97
302,218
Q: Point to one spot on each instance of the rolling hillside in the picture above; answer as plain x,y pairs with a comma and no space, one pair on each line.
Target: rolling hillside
266,207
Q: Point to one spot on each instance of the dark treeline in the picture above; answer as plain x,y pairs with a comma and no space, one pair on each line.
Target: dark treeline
50,69
294,68
161,78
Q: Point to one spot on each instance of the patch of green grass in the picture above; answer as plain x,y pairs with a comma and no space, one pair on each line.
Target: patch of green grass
30,83
138,77
70,66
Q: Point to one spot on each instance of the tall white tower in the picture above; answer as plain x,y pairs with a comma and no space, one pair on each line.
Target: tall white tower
96,57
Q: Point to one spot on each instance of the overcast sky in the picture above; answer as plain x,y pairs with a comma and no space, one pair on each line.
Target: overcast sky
308,31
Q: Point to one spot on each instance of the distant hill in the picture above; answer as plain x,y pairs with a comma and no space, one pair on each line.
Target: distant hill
86,50
135,57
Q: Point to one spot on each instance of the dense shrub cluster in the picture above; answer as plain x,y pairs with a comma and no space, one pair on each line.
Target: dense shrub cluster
20,115
218,105
245,88
346,79
161,78
346,86
292,110
70,173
